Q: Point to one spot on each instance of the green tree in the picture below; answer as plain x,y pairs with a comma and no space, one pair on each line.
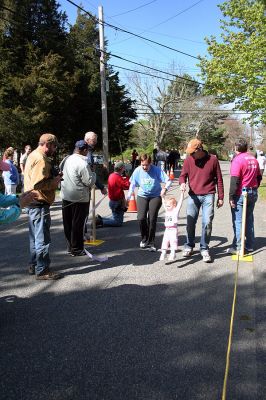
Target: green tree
35,84
235,71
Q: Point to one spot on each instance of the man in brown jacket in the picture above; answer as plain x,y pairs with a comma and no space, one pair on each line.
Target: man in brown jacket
39,176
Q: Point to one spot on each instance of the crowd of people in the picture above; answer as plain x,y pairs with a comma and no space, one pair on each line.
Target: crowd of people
201,176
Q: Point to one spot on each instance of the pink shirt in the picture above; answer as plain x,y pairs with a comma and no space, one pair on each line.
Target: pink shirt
246,167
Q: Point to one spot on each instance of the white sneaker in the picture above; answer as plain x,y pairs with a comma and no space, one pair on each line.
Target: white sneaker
143,244
151,247
206,256
172,257
187,251
232,251
162,256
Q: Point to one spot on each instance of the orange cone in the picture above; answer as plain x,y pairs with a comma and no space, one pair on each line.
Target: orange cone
132,205
168,173
172,175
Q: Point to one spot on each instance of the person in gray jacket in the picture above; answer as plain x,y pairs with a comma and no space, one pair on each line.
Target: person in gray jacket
75,193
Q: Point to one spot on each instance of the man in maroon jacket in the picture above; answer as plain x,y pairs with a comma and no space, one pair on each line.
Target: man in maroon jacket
116,186
202,172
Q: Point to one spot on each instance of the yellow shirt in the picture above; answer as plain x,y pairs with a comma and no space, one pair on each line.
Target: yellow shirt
37,175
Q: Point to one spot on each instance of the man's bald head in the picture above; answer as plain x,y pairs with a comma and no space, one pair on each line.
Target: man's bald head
91,138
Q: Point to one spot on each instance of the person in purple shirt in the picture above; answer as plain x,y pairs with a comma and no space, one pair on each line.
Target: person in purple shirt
202,172
245,176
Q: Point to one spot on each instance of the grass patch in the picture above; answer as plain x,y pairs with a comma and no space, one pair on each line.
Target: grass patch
262,189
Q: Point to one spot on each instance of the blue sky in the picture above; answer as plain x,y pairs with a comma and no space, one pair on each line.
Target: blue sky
159,21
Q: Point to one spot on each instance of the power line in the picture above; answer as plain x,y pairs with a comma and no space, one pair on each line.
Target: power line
174,16
145,73
133,62
130,33
134,9
188,111
155,69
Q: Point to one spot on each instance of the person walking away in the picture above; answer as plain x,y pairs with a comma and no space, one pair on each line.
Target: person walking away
170,237
22,162
148,178
262,162
11,177
161,158
11,205
117,183
134,156
172,160
154,156
245,175
202,172
38,176
75,193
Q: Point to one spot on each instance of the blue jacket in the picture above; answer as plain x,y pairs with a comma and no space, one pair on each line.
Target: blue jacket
11,177
9,208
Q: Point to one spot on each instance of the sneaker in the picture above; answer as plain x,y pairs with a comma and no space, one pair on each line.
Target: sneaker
162,256
151,247
48,276
172,257
247,251
143,244
31,270
187,251
79,253
206,256
232,251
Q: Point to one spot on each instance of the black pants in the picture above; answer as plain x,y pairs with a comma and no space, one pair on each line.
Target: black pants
148,209
74,217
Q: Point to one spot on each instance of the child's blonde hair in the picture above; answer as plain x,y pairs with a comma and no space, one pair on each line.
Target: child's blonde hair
171,200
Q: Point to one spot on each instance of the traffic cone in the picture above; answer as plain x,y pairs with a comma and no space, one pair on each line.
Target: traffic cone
168,173
172,175
132,205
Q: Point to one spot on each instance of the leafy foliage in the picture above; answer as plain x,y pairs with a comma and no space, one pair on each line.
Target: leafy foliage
50,78
236,70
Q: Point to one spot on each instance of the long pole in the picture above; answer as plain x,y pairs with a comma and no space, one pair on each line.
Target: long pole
103,90
243,227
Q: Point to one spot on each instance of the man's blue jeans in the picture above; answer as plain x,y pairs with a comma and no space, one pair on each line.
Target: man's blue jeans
252,197
117,214
206,203
39,234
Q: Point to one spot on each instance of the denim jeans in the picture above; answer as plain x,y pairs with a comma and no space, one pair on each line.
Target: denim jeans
206,203
39,235
252,197
117,214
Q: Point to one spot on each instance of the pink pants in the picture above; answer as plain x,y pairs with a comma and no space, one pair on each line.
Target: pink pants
170,238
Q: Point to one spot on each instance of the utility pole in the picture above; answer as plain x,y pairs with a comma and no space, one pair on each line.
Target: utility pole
103,90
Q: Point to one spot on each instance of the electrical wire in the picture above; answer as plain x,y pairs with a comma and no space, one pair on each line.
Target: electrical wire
134,9
128,32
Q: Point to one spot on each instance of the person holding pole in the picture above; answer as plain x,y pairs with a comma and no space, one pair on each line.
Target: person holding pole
244,182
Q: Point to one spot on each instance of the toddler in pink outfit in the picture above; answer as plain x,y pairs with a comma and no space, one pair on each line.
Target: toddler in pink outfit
170,237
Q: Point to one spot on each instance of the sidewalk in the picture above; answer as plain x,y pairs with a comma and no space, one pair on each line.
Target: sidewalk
132,327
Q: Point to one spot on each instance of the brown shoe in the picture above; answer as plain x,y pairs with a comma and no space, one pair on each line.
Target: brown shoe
49,276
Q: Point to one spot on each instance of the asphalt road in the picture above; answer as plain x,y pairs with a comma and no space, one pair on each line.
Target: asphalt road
132,327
